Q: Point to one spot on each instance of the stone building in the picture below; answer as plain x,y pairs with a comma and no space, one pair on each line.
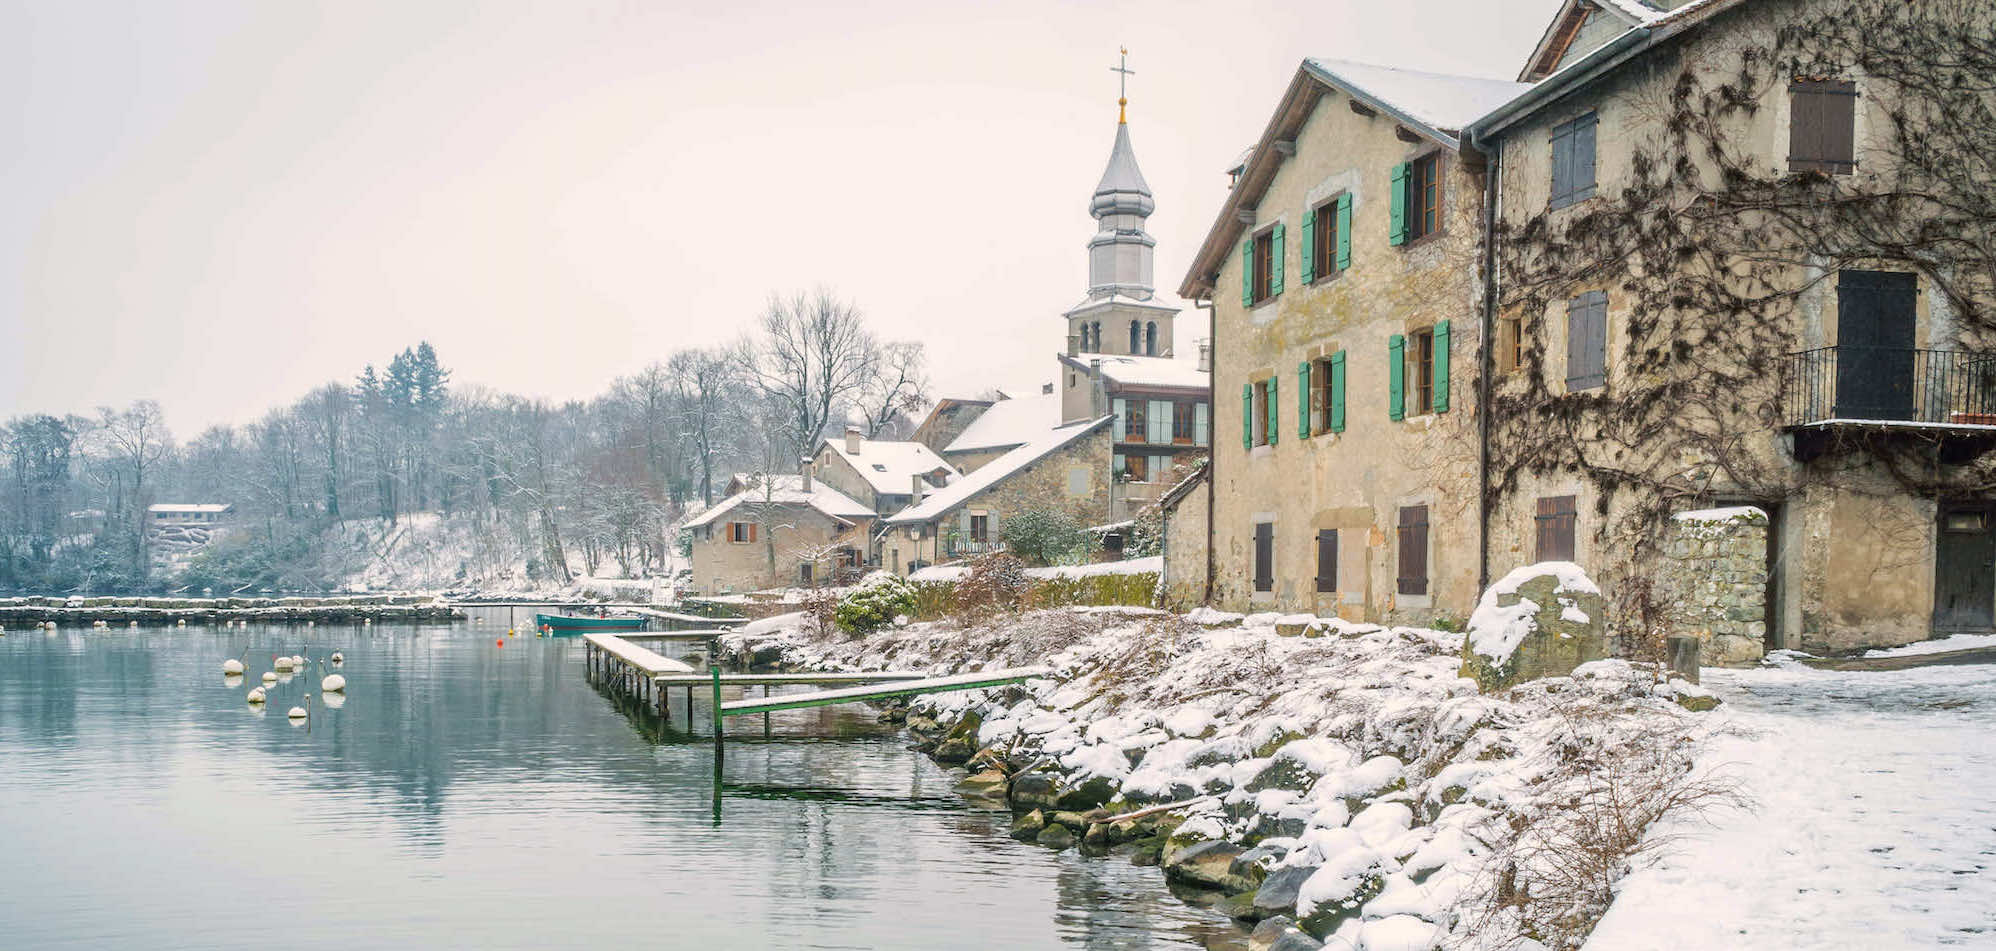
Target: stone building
1714,289
1736,254
1344,275
1055,471
1184,511
777,531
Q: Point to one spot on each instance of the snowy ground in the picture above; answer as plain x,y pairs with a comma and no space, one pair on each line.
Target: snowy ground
1875,824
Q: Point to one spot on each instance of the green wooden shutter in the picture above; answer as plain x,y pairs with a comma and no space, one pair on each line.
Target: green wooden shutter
1398,192
1344,231
1121,412
1247,416
1274,409
1337,407
1247,273
1275,257
1309,246
1396,371
1303,398
1441,367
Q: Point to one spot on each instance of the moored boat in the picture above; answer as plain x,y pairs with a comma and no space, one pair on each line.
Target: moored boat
560,624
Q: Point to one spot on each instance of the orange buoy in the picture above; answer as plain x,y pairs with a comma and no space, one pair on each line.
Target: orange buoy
501,642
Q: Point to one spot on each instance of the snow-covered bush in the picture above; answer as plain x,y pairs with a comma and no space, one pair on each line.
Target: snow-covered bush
875,603
1045,536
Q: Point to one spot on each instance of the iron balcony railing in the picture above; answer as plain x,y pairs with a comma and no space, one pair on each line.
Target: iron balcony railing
961,547
1885,384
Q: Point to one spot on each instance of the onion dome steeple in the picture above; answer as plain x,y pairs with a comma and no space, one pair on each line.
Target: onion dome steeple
1119,256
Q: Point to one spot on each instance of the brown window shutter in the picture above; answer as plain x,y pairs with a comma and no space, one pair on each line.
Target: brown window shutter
1413,550
1556,520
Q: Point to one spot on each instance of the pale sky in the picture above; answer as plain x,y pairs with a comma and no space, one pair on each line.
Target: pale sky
220,205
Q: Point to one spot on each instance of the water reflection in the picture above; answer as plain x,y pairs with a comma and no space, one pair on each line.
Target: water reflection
466,794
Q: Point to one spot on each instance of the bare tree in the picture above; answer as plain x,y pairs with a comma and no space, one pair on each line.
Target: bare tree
139,441
897,388
704,385
812,351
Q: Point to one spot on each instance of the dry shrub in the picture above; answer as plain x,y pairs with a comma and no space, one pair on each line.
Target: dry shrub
821,606
1606,777
995,584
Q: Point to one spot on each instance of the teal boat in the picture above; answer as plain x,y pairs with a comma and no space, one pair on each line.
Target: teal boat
565,625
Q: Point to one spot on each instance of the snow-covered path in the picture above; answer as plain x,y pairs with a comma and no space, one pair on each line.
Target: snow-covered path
1874,826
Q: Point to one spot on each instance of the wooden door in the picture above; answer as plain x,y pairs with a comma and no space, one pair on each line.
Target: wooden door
1965,570
1875,337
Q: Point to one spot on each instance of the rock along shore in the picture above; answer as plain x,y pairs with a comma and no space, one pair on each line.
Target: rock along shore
1318,780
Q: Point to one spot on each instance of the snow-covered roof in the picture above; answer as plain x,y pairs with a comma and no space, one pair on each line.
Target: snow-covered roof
997,470
787,490
1442,102
889,466
1012,422
1159,302
177,508
1146,371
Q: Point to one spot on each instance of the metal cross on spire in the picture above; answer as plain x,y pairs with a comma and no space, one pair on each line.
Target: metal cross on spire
1123,86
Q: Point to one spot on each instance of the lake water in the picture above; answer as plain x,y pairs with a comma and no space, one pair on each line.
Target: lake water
471,795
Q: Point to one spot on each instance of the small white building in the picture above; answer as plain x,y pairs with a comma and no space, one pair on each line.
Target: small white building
181,513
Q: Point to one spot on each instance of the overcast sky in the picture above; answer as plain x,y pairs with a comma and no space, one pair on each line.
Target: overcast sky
219,205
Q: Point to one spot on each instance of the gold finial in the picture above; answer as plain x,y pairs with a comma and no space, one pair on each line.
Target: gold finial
1123,87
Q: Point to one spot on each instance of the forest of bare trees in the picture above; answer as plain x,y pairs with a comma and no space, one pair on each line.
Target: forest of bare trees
593,486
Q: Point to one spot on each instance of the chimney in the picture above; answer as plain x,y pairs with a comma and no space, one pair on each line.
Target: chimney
804,473
916,489
853,439
1097,398
1205,355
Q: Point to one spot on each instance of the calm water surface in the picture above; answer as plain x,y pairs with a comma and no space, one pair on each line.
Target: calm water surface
469,795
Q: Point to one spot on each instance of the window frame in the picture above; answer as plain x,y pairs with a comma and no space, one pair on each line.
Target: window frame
1510,344
1421,363
1136,467
1260,420
1186,413
1264,265
980,528
741,533
1136,421
1425,173
1324,241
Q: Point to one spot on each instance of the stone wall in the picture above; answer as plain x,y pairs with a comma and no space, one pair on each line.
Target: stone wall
783,537
1714,582
1185,551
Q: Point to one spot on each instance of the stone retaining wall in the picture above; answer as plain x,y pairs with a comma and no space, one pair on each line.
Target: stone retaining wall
1713,582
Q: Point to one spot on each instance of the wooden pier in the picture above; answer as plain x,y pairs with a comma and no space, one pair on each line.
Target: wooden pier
630,668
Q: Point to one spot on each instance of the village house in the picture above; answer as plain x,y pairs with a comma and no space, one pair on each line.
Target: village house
1709,341
1723,282
168,514
1343,272
776,531
884,475
1057,471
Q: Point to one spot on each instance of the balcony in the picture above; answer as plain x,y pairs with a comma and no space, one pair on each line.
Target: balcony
968,548
1947,394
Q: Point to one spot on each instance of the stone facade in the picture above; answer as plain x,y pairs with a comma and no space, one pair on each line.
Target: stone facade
1356,482
948,420
1069,479
787,537
1713,580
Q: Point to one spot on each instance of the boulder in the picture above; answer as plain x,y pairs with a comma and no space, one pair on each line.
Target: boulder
1090,794
960,744
1280,934
1027,828
1208,865
1056,837
1540,621
989,784
1035,791
1277,894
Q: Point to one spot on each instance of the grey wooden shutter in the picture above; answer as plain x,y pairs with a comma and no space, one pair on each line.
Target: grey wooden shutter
1327,560
1264,557
1583,158
1587,341
1822,126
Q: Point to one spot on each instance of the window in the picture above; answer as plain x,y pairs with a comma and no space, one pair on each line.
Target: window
1573,161
1421,350
1413,550
1555,519
741,532
1135,330
1327,560
1157,428
980,528
1822,126
1134,421
1150,339
1327,239
1261,266
1264,556
804,573
1424,196
1510,344
1202,424
1261,404
1137,468
1327,394
1587,341
1184,423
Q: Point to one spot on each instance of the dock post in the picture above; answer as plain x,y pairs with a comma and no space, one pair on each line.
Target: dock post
689,708
715,669
765,713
